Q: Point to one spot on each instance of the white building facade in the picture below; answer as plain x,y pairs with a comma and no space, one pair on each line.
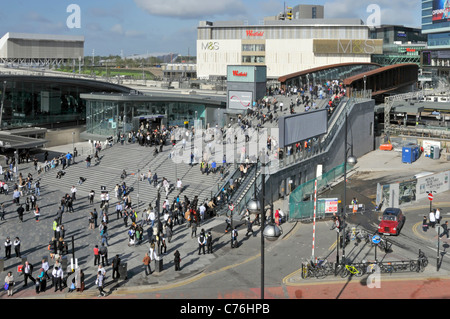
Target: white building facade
283,47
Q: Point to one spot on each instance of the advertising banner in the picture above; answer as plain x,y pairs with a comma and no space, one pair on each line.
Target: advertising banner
240,100
441,11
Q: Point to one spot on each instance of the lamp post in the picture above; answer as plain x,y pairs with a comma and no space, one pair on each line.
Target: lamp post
351,160
158,259
3,104
271,231
365,81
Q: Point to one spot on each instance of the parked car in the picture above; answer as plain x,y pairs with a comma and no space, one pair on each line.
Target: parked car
392,222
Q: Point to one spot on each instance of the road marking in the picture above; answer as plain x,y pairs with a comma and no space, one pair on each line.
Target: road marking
416,232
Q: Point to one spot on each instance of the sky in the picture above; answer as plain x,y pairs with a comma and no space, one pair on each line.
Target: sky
131,27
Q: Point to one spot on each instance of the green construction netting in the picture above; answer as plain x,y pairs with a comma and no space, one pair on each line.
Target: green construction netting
301,200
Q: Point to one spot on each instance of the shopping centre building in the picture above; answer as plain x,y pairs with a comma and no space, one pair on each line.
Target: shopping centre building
284,46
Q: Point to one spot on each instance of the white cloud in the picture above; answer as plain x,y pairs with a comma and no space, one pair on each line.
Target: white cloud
193,9
117,28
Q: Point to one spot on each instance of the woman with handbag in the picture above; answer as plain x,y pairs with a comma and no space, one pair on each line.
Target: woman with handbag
9,283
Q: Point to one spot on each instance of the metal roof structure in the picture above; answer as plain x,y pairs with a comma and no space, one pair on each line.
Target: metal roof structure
40,49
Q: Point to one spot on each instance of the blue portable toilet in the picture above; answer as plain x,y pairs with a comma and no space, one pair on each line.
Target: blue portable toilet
410,153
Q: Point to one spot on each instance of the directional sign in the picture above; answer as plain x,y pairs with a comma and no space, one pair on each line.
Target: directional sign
376,239
430,196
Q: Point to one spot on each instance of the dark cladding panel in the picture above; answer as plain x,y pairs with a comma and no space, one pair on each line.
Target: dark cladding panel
300,127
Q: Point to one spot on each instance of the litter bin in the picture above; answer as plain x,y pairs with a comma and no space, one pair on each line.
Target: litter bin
123,273
158,264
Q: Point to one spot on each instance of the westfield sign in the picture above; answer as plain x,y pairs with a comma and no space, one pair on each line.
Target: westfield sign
237,73
251,33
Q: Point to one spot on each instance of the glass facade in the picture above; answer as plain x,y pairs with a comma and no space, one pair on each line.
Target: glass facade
106,117
44,101
336,73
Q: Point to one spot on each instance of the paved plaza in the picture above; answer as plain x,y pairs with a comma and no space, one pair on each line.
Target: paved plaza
35,236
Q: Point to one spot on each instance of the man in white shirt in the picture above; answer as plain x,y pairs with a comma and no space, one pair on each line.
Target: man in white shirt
74,192
432,219
438,216
202,212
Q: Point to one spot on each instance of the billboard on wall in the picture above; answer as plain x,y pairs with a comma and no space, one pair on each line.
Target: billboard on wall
240,100
303,126
441,11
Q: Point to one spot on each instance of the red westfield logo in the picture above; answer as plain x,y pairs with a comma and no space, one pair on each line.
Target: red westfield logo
237,73
251,33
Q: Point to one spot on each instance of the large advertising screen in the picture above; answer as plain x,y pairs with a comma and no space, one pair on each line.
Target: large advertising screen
441,11
303,126
240,100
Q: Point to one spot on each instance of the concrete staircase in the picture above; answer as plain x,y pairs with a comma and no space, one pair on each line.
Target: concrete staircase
132,157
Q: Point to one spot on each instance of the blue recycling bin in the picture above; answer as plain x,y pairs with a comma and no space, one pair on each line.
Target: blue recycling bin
410,153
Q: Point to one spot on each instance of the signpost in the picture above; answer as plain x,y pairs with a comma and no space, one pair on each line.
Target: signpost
376,239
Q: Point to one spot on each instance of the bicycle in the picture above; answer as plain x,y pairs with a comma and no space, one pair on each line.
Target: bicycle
419,264
387,268
350,270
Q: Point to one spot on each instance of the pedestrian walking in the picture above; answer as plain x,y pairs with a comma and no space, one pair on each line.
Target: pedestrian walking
249,229
73,190
100,282
37,213
27,270
437,214
115,267
20,211
96,256
147,260
104,254
234,235
425,224
177,260
2,212
432,219
445,228
9,283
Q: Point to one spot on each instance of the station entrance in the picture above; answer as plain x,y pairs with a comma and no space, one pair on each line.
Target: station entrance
151,122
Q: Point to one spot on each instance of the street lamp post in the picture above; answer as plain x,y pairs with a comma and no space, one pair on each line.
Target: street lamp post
269,232
365,81
3,103
159,259
351,160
